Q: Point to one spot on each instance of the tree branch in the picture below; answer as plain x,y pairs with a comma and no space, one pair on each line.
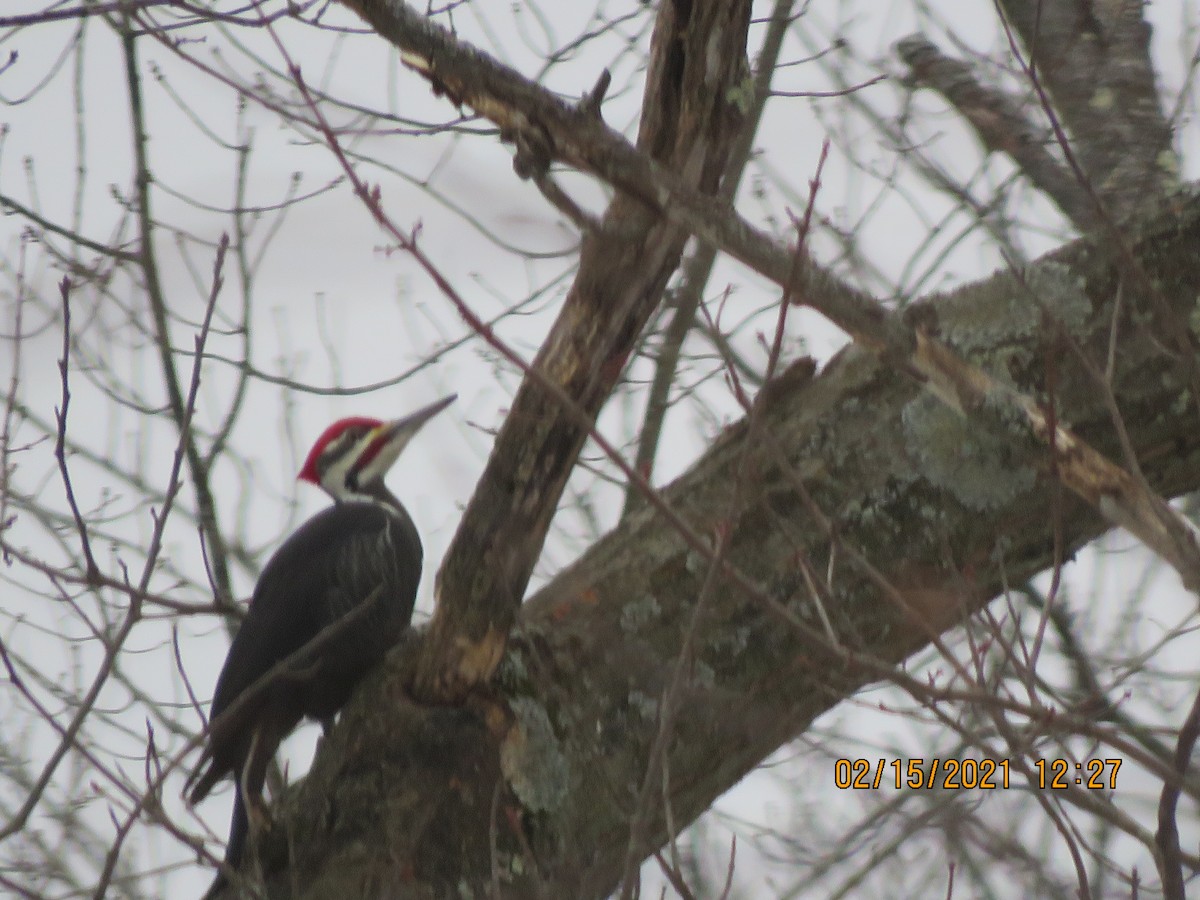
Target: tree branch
596,646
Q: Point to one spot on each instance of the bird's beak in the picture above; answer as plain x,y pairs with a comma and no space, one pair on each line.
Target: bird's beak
411,424
384,444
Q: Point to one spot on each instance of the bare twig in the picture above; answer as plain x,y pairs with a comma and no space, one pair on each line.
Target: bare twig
1169,857
91,570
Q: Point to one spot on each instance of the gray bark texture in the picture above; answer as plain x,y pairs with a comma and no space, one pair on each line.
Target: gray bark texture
532,787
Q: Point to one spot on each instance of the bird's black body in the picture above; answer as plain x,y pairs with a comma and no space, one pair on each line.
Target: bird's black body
349,554
331,564
330,602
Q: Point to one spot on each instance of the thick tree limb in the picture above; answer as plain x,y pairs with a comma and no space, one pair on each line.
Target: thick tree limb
1094,59
400,801
689,121
1002,123
492,89
698,267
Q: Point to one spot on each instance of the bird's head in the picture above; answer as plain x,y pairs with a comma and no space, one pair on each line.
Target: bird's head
350,459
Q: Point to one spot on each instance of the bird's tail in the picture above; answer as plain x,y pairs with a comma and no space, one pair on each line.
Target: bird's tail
235,849
202,780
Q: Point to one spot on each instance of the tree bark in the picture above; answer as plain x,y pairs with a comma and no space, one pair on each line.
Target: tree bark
689,121
1094,60
529,791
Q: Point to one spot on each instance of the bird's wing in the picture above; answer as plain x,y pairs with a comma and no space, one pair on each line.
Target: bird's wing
280,621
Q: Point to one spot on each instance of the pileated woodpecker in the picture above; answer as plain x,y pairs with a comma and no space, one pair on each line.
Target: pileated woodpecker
348,574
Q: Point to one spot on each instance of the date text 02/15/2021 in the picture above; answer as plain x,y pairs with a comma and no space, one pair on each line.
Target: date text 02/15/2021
972,774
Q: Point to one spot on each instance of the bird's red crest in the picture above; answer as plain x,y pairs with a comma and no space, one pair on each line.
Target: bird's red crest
309,471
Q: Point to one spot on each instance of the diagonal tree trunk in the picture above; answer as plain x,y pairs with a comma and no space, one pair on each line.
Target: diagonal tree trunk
864,518
533,788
